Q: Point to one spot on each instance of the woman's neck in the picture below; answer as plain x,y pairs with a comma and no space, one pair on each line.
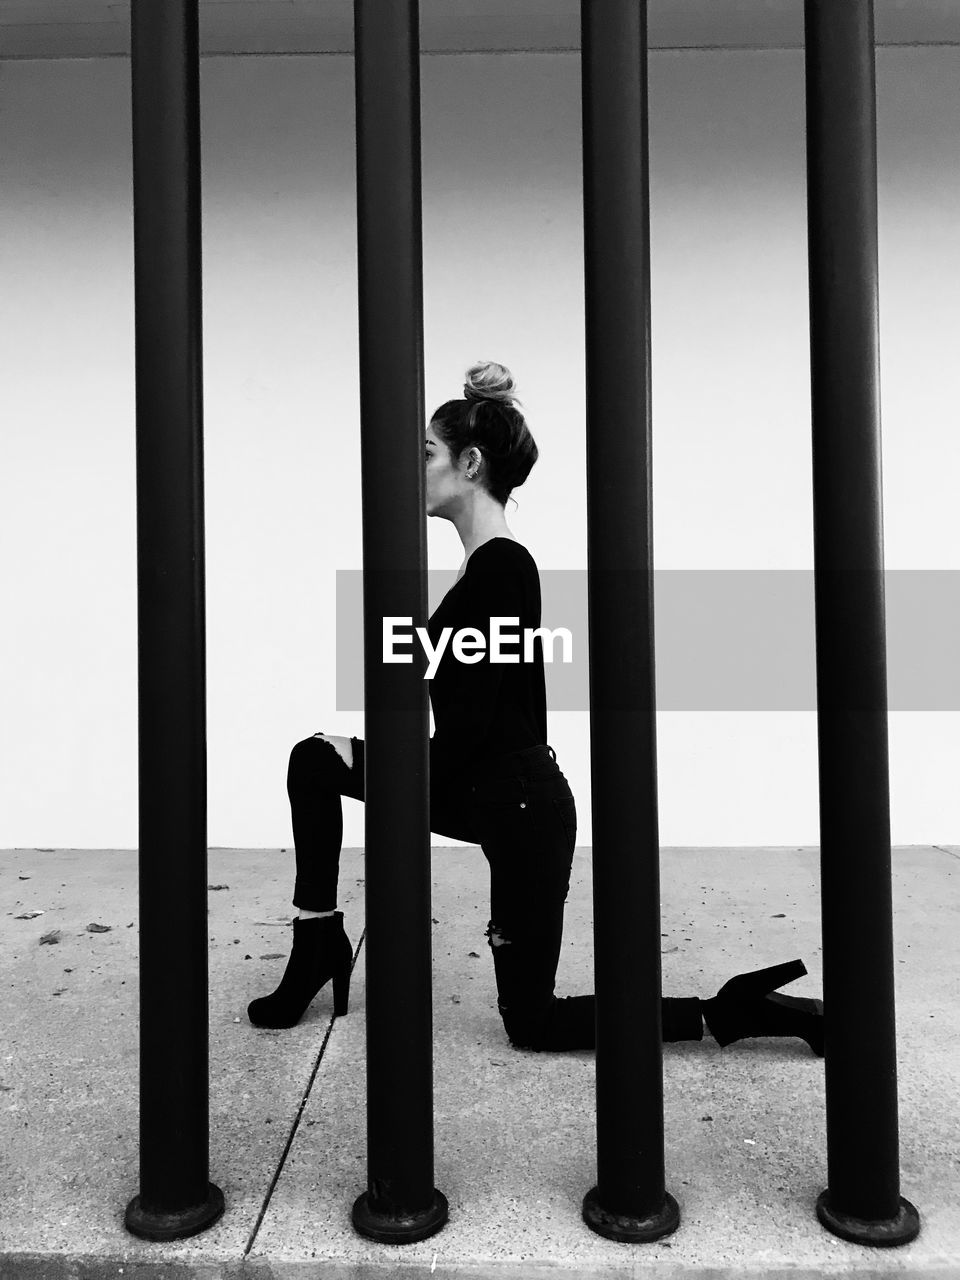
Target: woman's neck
482,526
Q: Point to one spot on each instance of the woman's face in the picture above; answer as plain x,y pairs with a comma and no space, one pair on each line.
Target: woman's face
445,483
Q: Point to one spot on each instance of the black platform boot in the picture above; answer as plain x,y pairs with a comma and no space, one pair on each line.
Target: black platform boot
745,1006
321,951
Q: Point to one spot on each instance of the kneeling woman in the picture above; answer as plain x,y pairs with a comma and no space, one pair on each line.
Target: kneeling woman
494,780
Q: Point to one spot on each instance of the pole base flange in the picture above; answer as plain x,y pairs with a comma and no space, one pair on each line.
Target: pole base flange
174,1226
391,1228
621,1226
883,1233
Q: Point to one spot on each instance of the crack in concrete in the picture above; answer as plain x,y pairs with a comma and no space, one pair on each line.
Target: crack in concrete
296,1120
949,852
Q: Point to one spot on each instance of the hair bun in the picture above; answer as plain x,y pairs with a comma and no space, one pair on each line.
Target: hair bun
487,380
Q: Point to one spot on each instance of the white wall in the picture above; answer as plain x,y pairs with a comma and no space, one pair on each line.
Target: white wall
503,280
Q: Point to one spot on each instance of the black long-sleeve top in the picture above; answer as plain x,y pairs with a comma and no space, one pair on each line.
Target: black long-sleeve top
486,708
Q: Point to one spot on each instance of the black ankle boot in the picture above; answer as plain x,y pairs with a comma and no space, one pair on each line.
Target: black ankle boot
321,951
744,1006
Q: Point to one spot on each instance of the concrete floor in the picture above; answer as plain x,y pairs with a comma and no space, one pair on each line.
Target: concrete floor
515,1140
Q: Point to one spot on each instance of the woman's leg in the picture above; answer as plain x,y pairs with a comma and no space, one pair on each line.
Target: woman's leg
527,829
320,773
317,779
527,826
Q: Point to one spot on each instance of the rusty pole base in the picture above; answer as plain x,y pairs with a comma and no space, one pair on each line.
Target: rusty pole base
882,1232
150,1225
398,1228
626,1227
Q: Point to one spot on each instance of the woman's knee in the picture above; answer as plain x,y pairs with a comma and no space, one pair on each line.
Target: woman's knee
525,1025
310,762
341,744
524,975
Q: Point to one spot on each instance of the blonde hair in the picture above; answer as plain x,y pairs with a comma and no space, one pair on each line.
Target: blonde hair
487,380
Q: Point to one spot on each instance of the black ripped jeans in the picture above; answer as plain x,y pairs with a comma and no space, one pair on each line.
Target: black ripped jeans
519,808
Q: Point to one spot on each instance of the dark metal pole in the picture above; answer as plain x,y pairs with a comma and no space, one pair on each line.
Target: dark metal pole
630,1201
401,1204
176,1198
862,1201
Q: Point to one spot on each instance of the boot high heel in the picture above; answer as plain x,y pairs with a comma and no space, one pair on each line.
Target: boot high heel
321,952
747,1006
